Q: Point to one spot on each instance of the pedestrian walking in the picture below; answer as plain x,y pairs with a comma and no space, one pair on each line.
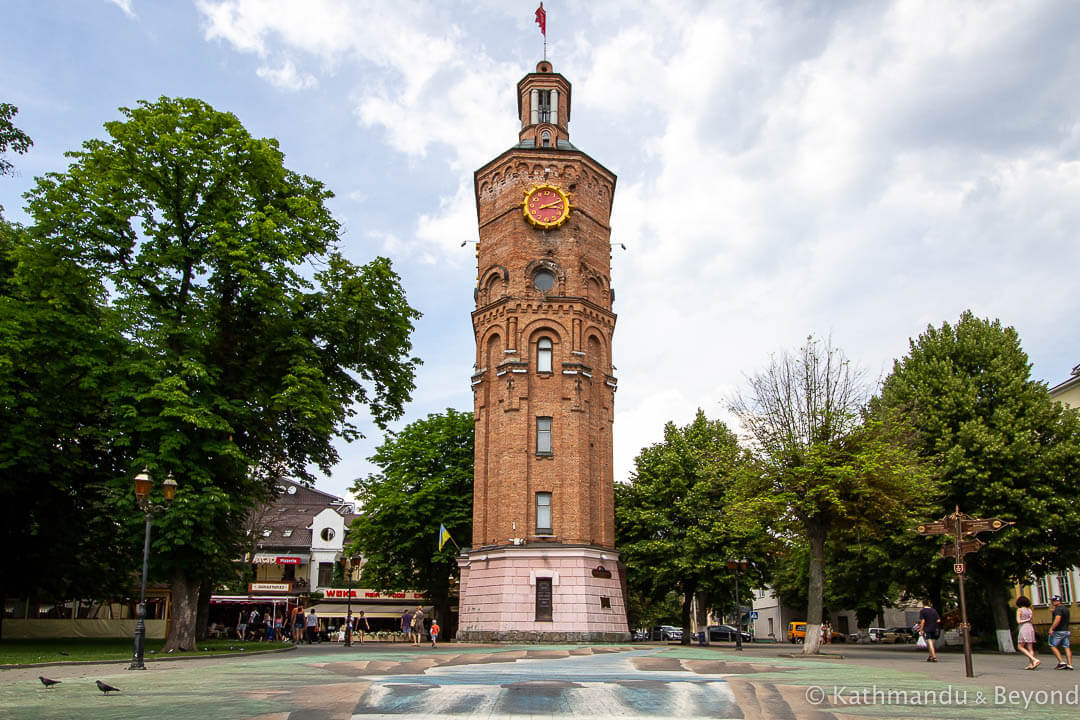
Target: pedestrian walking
1025,636
299,625
311,624
417,625
1059,634
406,623
241,625
361,626
434,632
929,620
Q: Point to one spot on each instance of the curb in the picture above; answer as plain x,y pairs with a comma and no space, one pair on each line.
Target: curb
170,658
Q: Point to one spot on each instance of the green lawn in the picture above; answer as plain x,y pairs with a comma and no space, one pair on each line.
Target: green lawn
22,652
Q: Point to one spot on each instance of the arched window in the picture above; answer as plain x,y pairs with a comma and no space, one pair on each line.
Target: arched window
545,139
543,355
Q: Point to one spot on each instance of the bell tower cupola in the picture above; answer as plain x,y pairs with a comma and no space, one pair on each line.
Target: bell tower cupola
544,107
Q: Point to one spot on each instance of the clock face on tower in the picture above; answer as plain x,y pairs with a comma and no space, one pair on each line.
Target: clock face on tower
546,206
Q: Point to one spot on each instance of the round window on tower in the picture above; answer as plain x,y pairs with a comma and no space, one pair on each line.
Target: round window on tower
544,280
327,534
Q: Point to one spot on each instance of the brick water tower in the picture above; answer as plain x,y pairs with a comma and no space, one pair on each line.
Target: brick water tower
543,565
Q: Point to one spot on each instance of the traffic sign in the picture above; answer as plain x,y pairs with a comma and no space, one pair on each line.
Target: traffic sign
753,615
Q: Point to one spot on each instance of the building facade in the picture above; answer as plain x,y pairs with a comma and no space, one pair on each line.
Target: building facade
543,563
1063,583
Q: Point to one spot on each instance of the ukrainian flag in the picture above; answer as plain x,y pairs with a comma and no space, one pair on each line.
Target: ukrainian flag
444,535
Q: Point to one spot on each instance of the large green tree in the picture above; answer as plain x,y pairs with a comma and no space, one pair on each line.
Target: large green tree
250,339
672,520
57,453
425,479
999,446
826,465
11,138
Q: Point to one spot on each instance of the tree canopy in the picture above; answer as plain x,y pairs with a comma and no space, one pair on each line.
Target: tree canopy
999,446
11,137
248,339
672,523
425,479
826,465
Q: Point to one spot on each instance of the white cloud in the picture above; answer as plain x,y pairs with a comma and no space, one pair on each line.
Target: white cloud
287,77
124,5
857,169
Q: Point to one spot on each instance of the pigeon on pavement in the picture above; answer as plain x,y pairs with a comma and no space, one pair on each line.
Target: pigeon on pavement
105,687
48,682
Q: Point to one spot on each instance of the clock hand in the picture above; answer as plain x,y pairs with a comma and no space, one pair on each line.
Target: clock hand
550,204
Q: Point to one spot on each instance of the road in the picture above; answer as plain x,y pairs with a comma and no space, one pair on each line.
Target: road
456,682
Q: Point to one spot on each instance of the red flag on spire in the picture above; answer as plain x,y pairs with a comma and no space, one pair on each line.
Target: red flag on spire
541,19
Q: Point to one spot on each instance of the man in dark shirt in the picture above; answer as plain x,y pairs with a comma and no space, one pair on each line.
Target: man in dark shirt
1059,634
928,628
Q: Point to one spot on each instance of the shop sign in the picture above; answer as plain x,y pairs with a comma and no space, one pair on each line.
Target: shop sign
269,587
335,593
269,559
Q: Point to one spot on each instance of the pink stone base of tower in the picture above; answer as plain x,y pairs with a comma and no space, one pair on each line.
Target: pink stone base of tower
498,595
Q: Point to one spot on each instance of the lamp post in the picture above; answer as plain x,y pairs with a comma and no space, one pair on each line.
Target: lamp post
738,566
143,485
348,602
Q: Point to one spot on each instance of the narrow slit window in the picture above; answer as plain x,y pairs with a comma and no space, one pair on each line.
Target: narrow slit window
543,436
545,139
544,106
543,513
543,355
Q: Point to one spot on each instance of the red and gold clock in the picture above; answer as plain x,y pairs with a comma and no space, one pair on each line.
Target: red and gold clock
546,206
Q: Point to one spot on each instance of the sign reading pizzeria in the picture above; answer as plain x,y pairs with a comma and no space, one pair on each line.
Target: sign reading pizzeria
269,559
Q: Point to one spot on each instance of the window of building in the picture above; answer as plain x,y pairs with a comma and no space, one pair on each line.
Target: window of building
605,602
543,106
326,574
266,533
544,280
543,599
543,436
1039,592
327,534
545,139
287,533
1064,588
543,513
543,355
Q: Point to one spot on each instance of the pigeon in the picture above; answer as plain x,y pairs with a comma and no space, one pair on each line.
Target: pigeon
48,682
105,687
63,653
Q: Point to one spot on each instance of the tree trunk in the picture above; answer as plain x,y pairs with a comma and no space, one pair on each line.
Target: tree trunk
203,619
185,610
999,606
702,619
688,599
815,589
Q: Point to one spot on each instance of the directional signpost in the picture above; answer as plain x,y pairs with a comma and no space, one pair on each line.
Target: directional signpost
958,526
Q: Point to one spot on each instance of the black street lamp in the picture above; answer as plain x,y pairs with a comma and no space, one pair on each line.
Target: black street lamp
348,602
738,566
143,484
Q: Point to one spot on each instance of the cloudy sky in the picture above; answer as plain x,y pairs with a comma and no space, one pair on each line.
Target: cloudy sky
862,169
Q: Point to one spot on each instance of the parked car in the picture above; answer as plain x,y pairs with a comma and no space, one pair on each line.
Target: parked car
898,635
640,635
890,636
722,633
796,631
666,632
